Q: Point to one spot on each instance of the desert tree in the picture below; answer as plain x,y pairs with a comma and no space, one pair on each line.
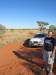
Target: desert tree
42,25
53,28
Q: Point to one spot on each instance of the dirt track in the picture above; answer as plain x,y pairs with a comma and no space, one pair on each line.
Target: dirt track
15,59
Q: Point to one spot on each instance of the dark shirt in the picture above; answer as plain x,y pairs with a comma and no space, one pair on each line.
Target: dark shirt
49,43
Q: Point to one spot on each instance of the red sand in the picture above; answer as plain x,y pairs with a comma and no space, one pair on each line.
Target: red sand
10,64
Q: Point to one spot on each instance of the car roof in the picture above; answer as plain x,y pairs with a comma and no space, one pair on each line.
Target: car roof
40,33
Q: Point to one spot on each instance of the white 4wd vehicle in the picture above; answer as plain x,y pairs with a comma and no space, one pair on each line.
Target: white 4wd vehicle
37,40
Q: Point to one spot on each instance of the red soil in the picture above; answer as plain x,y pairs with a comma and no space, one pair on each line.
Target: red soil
11,65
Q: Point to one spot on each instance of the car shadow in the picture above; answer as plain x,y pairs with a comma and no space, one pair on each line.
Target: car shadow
34,66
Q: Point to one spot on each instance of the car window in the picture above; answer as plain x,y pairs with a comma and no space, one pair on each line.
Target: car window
39,35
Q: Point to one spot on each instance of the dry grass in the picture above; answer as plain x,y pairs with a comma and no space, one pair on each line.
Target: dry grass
16,35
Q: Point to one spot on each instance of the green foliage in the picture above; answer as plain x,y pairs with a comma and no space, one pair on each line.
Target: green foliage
53,28
42,25
12,30
2,29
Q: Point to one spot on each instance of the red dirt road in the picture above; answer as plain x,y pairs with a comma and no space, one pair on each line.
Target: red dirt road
11,64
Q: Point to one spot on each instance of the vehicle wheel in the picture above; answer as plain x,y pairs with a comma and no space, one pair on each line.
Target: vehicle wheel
30,44
26,42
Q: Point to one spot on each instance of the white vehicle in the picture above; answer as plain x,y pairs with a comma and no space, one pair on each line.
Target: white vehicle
37,40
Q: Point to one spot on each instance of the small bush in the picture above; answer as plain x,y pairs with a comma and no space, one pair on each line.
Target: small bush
54,31
2,29
12,30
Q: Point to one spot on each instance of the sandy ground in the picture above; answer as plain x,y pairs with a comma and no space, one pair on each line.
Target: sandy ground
15,59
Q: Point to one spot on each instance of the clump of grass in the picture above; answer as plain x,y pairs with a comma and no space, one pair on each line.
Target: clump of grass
1,45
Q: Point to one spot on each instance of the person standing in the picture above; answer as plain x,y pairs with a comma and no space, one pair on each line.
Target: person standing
49,52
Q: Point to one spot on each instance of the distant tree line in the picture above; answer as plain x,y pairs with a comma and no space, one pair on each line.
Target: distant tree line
42,25
2,29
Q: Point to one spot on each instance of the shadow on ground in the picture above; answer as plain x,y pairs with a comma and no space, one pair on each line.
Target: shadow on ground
34,65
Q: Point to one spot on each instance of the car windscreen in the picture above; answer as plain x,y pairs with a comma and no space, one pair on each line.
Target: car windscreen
39,35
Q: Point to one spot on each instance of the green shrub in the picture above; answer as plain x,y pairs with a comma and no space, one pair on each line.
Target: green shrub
2,29
12,30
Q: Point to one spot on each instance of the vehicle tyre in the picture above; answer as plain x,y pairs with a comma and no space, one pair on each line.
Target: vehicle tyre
26,42
30,44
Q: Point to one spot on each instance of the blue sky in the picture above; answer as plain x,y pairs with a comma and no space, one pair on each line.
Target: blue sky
25,13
